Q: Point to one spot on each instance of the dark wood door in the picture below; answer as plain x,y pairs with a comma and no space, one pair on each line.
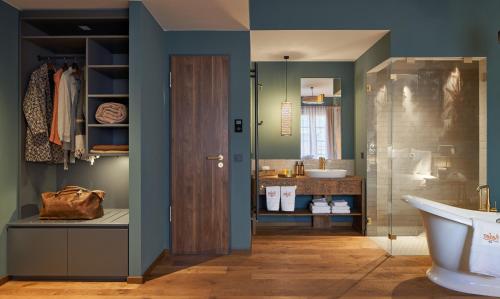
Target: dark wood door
199,154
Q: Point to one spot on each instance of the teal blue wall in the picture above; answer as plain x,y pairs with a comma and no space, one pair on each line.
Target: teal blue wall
371,58
272,76
9,124
149,155
422,28
236,44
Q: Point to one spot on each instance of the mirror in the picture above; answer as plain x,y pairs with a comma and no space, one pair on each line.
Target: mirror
320,131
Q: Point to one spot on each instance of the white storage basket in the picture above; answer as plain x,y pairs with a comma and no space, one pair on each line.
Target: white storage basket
288,198
273,198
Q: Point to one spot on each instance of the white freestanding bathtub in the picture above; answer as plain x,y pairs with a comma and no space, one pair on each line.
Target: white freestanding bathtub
449,235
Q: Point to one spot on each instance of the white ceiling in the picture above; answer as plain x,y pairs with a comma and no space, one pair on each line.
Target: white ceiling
170,14
312,45
67,4
200,14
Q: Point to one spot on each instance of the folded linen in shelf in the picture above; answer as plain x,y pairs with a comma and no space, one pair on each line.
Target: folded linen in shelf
341,210
111,113
110,147
320,202
340,203
319,209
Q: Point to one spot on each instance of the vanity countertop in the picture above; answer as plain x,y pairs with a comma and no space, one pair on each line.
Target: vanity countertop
350,185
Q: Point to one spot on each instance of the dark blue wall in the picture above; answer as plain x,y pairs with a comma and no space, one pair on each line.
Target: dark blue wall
149,155
236,44
425,28
272,77
374,56
9,124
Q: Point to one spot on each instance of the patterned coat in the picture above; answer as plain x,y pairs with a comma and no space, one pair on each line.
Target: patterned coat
37,107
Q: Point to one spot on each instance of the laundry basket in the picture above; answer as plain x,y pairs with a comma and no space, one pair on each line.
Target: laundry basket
288,198
273,198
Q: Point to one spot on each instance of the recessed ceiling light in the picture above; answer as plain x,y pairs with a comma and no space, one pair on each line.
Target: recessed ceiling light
84,27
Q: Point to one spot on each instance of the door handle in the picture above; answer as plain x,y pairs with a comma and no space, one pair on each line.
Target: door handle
219,157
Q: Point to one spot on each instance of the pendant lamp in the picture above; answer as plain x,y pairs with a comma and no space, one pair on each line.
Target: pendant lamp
286,107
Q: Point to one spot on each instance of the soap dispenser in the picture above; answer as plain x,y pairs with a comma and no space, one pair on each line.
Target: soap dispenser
301,168
297,168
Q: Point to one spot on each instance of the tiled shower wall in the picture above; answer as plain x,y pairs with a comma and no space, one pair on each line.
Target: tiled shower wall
423,119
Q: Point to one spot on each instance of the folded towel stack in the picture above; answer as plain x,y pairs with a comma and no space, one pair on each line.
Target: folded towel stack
109,149
111,113
320,206
340,206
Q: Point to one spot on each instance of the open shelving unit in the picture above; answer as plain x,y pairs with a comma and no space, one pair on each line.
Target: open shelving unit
107,75
350,186
99,41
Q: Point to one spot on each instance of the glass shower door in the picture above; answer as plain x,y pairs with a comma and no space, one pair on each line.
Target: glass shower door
425,138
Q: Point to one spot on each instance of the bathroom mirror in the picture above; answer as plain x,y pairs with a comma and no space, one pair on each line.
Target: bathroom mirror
320,131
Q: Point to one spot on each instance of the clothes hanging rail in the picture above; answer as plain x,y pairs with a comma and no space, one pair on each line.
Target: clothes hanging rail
62,56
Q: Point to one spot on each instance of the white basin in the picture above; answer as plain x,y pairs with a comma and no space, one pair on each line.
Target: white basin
326,173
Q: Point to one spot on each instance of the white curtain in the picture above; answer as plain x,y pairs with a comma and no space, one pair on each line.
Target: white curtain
321,132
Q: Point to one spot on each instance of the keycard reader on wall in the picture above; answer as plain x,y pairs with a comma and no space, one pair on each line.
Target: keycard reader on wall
238,125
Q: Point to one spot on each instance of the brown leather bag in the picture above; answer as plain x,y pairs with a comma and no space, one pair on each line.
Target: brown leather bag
72,203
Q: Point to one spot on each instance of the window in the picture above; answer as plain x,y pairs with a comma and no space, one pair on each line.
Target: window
318,128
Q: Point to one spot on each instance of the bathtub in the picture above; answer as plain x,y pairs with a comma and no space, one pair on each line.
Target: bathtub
449,235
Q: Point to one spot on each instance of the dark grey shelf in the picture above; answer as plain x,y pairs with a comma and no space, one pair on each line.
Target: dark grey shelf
108,125
111,71
305,212
108,96
111,154
59,44
111,218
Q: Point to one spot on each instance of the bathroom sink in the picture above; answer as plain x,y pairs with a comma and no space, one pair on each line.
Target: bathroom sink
326,173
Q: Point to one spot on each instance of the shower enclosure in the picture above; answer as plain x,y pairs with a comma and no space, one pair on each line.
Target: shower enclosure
426,137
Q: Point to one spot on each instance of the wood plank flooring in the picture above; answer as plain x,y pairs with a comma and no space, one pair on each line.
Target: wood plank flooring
281,266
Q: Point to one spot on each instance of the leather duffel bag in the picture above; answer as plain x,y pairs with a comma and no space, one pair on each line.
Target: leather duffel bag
72,203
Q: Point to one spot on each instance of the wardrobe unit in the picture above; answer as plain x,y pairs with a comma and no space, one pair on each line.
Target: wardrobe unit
97,249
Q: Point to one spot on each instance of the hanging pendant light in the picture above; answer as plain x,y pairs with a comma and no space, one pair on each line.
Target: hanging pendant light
286,107
315,100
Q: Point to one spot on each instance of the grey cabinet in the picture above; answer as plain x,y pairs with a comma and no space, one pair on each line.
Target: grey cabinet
74,249
37,251
97,252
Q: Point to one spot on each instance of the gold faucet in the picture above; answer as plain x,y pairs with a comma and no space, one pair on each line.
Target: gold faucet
488,202
322,163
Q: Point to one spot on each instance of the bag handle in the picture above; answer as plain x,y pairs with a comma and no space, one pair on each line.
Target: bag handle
73,189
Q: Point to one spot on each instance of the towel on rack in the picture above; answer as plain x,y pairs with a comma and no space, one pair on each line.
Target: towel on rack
111,113
485,248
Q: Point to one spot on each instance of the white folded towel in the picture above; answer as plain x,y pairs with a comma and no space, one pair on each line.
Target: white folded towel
344,211
335,208
340,203
485,248
319,210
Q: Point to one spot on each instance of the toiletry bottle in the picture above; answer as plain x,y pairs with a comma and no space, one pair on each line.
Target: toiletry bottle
297,168
301,168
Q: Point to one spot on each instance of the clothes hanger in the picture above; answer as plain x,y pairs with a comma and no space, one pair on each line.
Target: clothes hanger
65,65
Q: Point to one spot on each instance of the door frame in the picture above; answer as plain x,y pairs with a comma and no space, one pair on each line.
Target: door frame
229,149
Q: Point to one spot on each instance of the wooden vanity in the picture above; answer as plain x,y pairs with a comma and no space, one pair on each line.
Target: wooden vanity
350,186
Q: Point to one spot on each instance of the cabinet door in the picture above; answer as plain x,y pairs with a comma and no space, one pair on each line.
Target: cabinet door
97,252
37,251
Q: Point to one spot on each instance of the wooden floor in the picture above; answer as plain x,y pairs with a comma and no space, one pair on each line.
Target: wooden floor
285,266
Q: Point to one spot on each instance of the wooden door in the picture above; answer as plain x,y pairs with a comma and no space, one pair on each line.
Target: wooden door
199,154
